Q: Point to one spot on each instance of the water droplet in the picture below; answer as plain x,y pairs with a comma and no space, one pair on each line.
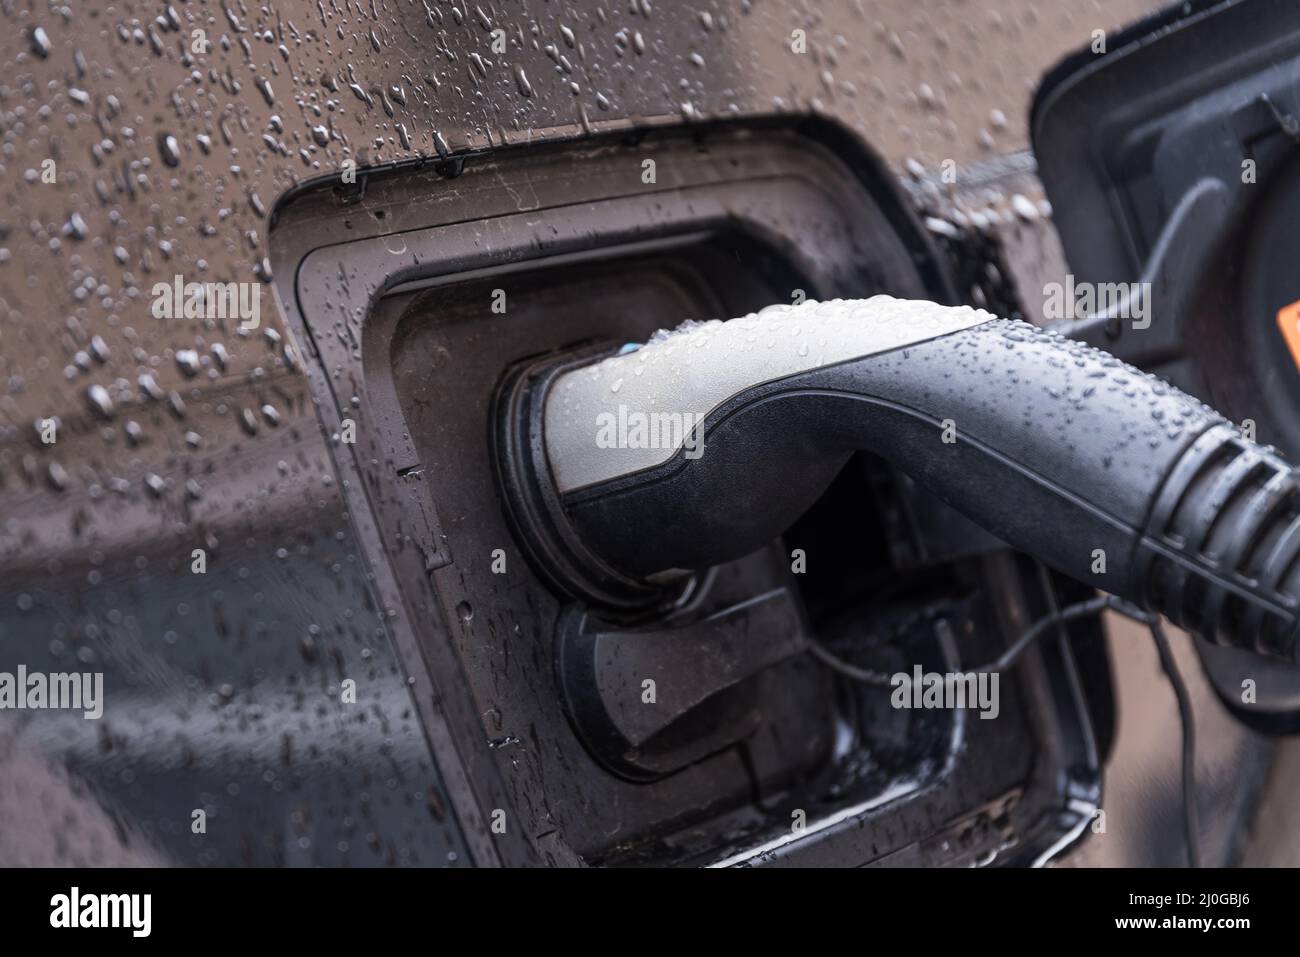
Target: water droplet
58,477
100,400
41,42
521,81
169,149
188,360
149,386
76,227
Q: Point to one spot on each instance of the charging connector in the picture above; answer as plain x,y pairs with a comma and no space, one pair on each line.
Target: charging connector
628,471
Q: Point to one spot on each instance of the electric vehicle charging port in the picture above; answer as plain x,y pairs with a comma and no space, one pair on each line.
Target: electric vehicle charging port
410,321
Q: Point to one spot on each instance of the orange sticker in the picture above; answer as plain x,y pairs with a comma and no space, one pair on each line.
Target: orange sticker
1288,320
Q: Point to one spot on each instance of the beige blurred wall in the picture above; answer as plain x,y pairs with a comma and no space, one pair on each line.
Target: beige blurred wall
940,68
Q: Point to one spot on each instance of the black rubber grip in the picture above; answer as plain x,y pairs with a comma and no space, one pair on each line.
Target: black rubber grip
1221,547
1100,470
